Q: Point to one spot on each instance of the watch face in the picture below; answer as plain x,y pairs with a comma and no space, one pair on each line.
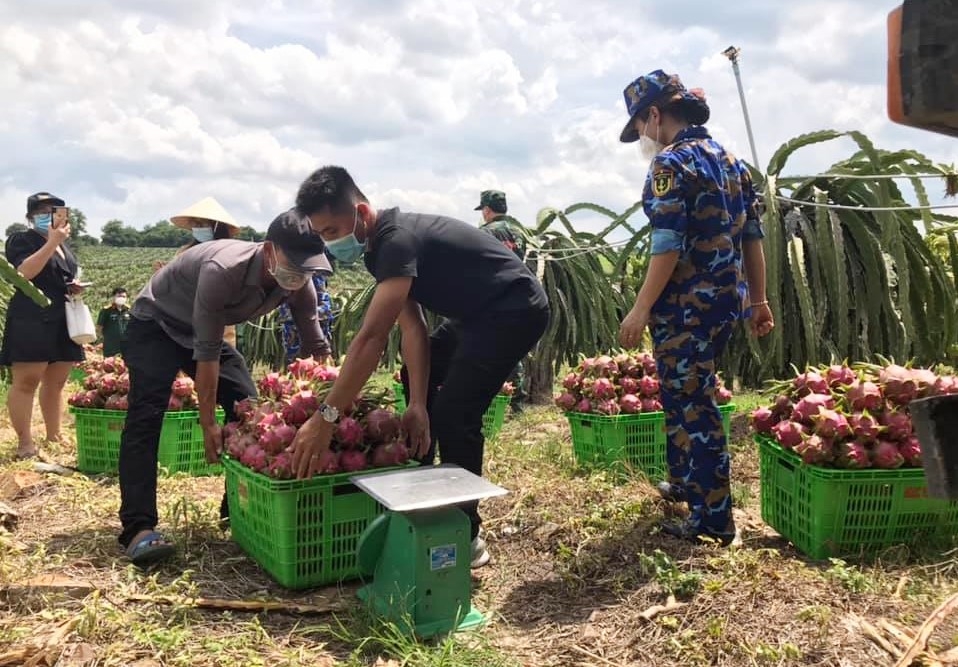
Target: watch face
330,413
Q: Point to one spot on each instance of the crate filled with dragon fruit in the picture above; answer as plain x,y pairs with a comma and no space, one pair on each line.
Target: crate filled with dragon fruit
841,470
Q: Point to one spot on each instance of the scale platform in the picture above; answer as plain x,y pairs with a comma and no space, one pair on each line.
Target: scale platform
426,488
419,552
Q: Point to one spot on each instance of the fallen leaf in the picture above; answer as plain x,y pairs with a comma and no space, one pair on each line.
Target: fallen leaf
81,655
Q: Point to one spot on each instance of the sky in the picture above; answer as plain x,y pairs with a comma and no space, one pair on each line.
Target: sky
135,109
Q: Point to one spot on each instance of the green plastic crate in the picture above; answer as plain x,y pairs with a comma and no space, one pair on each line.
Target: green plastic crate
623,442
181,442
304,533
826,512
492,420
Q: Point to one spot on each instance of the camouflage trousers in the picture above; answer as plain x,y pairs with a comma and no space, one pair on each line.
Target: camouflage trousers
696,448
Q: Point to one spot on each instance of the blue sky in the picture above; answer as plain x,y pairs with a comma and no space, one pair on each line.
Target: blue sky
135,109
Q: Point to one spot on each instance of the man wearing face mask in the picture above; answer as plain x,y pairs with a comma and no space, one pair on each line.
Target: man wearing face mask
707,271
112,322
452,269
177,324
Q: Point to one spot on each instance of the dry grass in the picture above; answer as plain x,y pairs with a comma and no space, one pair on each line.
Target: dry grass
576,560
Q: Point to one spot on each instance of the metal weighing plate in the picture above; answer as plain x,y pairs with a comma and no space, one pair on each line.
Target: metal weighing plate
426,488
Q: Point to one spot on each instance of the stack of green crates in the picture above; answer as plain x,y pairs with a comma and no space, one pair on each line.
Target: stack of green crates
626,442
304,533
828,512
181,442
492,420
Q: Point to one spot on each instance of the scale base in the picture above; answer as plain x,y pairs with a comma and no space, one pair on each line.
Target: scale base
386,610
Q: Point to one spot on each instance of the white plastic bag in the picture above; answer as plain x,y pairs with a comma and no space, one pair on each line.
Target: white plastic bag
80,321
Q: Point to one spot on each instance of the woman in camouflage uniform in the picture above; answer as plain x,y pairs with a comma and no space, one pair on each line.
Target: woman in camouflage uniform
707,271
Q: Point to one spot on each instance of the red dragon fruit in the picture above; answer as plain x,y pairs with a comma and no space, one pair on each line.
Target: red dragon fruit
281,467
382,425
788,434
630,404
244,410
831,425
900,385
272,385
175,404
808,407
584,406
565,401
945,385
605,366
763,419
267,422
864,395
852,454
885,454
325,373
349,433
651,405
649,386
107,384
648,363
910,450
389,454
570,382
277,439
723,396
299,407
782,407
303,368
254,457
328,462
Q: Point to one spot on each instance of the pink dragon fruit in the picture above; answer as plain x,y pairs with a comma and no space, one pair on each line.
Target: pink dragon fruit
899,383
328,462
606,367
267,422
281,467
815,450
810,382
648,364
303,368
864,426
244,410
389,454
651,405
649,386
788,434
123,383
570,382
299,407
608,407
603,389
910,450
864,395
565,401
382,425
175,404
808,407
763,419
629,385
945,385
254,457
272,385
325,374
351,460
852,454
584,406
839,375
723,396
349,433
831,425
782,407
885,454
630,404
625,363
898,425
183,387
107,385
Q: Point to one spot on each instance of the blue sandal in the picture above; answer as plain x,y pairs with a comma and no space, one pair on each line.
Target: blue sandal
151,548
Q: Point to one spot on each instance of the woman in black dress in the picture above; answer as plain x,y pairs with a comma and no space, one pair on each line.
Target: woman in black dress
36,344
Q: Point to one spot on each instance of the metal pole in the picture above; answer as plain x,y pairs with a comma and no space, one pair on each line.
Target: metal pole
732,54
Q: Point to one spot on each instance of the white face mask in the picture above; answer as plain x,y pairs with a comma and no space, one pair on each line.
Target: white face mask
648,146
120,301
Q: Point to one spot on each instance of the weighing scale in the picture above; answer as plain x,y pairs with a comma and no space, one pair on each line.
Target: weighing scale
419,551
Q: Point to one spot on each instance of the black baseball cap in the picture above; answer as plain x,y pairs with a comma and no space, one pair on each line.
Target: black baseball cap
34,201
302,246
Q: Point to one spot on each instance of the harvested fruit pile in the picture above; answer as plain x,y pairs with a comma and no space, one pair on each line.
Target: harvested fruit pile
367,436
623,384
107,384
851,416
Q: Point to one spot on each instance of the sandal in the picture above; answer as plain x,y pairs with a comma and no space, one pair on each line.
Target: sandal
149,549
26,454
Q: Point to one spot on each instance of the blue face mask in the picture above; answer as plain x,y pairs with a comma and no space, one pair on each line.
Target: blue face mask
41,222
203,234
347,249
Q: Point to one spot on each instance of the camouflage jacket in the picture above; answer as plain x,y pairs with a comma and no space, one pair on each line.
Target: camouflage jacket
506,232
700,201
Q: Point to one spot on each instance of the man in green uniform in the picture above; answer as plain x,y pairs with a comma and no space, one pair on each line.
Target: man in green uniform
112,323
493,205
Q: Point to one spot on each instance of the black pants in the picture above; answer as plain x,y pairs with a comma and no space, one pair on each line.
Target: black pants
153,359
471,360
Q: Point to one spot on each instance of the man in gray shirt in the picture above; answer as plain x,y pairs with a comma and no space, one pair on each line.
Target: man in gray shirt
177,324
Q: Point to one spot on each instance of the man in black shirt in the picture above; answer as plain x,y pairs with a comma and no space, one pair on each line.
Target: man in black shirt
452,269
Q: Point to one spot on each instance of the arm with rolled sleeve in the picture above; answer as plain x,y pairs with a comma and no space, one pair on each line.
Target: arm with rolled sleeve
213,287
302,307
665,195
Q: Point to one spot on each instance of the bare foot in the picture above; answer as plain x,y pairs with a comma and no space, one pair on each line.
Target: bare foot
55,439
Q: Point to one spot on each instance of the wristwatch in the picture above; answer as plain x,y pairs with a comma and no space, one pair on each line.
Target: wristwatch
328,413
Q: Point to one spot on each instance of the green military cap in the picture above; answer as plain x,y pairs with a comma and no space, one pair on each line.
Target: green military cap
494,199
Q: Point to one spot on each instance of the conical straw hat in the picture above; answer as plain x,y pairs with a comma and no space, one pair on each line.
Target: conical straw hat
207,208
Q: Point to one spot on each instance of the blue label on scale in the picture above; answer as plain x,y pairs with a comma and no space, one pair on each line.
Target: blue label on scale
442,557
